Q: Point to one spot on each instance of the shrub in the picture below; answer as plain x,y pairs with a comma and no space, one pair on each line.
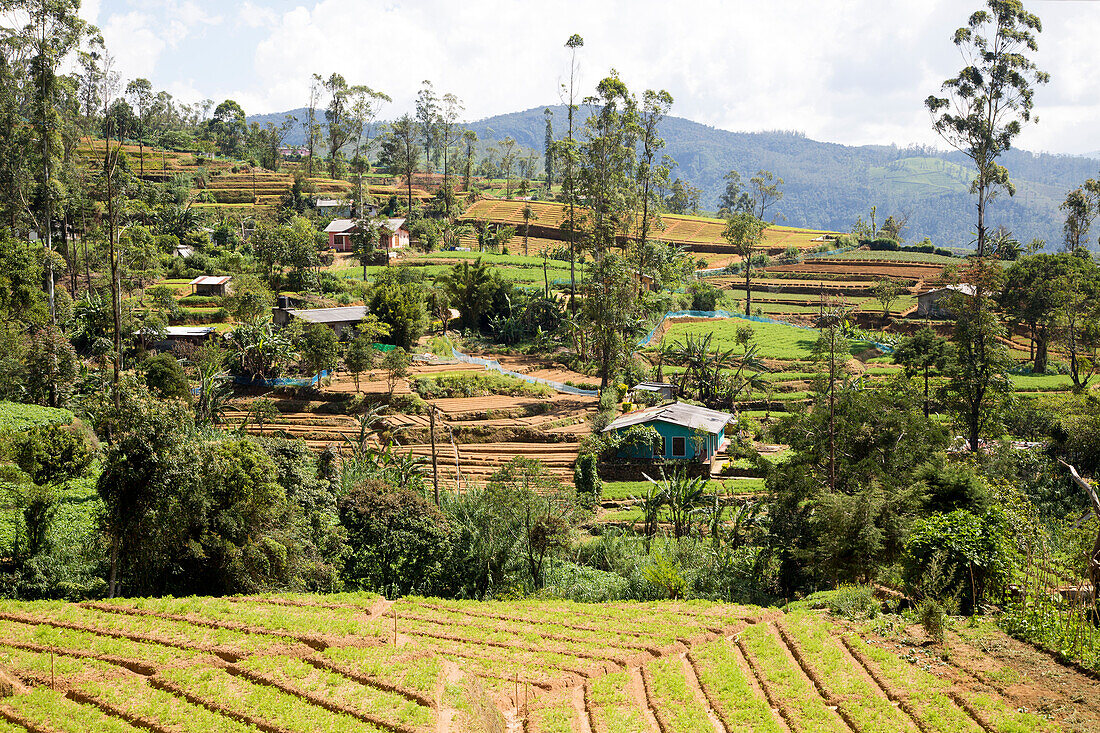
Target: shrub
933,619
854,602
586,479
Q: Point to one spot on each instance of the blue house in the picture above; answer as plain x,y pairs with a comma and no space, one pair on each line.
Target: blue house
689,432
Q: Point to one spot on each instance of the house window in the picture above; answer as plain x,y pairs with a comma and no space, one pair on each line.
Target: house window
664,446
679,447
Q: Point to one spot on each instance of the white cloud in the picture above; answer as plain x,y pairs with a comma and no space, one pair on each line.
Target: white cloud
855,71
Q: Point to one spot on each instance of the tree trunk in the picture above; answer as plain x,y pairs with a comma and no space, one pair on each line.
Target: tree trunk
748,287
1040,365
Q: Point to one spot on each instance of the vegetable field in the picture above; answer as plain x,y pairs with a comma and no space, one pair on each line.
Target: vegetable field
357,662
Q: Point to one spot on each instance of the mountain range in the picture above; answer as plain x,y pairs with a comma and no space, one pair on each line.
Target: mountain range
828,185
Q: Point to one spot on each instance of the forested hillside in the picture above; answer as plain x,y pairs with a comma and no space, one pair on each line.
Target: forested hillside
828,185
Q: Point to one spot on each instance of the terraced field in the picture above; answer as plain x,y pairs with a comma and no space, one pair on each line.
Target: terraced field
299,663
475,436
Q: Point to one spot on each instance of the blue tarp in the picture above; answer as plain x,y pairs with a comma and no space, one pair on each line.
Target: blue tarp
281,381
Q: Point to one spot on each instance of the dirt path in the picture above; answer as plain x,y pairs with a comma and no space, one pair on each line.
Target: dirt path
449,673
580,723
641,699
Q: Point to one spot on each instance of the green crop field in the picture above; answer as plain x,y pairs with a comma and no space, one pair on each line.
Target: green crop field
888,256
350,661
16,416
775,341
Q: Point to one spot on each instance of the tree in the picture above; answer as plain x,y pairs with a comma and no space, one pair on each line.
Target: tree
249,299
979,382
427,120
166,378
402,153
548,148
528,215
400,305
359,357
764,192
471,287
1035,290
336,115
396,539
50,456
655,106
921,353
312,129
396,363
683,198
745,232
608,156
51,367
52,30
986,104
229,127
449,135
319,348
734,198
144,465
1081,206
886,291
140,92
566,153
832,348
609,306
362,109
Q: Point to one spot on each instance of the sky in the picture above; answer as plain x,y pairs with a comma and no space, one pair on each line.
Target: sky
847,71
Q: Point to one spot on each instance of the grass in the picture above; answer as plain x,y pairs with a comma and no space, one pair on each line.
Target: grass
774,340
248,698
1042,382
554,715
616,490
932,705
52,711
340,690
888,256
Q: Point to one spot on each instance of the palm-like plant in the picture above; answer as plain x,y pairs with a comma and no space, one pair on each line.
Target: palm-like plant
468,285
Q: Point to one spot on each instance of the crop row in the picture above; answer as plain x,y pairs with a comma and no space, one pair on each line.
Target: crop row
176,634
531,629
299,623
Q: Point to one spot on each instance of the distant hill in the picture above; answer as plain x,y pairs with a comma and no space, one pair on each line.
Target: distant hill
828,185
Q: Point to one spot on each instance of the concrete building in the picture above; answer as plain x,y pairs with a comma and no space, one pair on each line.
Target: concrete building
928,303
688,432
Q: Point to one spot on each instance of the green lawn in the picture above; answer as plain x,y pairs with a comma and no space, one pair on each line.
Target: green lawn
616,490
1042,382
17,416
516,274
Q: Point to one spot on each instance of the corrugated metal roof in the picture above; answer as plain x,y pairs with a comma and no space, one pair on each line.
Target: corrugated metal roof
677,413
211,280
347,314
337,226
188,331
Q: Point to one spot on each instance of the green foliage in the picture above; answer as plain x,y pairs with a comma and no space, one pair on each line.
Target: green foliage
586,479
933,619
165,377
476,384
398,302
957,555
396,539
319,348
15,416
